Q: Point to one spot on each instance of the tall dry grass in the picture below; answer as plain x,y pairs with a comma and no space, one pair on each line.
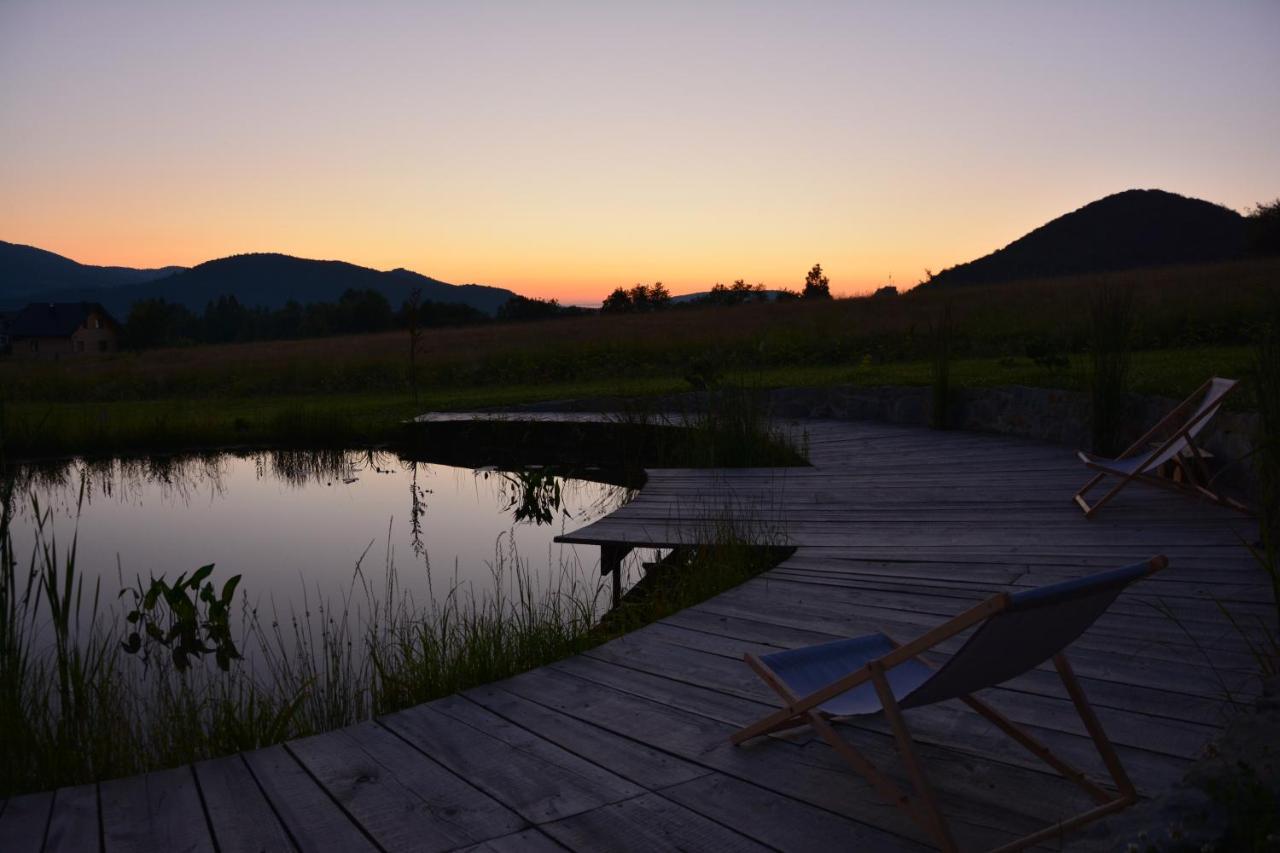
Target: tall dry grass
1181,306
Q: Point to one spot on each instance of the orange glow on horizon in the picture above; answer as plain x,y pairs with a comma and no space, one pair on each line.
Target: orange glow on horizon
564,151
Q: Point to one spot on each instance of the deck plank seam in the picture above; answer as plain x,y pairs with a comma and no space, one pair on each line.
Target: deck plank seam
329,794
708,770
279,816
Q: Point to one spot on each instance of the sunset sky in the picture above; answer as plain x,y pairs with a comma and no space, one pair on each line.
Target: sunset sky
562,149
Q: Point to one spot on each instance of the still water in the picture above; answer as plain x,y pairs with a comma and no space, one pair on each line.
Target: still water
296,524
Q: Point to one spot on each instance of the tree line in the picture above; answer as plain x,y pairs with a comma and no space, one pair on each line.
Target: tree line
643,298
159,323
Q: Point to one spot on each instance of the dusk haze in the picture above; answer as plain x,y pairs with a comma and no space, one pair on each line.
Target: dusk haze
562,149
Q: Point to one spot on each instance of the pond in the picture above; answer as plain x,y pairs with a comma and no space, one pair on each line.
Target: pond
297,524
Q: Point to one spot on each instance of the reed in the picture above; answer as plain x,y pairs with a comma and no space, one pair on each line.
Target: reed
76,706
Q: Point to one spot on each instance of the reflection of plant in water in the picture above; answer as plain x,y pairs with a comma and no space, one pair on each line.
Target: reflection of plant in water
534,494
69,483
607,497
417,508
323,467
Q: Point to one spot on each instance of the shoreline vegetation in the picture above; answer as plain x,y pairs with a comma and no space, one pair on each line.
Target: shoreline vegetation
1192,321
35,429
76,706
91,689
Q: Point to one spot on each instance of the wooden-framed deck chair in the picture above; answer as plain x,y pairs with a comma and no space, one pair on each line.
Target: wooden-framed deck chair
1170,442
873,674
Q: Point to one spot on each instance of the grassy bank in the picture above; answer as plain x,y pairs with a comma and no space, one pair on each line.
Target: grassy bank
36,428
76,706
89,690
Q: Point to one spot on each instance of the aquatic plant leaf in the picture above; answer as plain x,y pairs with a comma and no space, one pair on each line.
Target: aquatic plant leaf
229,589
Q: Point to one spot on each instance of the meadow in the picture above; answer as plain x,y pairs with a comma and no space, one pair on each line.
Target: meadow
1192,321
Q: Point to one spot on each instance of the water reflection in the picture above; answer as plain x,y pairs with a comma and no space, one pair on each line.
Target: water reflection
280,516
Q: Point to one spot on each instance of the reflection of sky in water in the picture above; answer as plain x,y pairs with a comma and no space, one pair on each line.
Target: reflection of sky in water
283,520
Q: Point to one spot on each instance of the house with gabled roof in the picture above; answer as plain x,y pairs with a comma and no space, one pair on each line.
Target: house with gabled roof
57,330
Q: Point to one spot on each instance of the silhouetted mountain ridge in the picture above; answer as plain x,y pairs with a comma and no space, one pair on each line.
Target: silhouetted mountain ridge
267,279
1128,230
36,270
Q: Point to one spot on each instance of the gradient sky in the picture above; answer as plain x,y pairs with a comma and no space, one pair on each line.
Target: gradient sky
561,149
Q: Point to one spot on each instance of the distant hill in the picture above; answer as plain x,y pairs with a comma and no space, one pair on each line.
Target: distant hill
266,280
1128,230
28,270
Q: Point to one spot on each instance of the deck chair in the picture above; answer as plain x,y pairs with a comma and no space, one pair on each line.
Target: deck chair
874,674
1144,460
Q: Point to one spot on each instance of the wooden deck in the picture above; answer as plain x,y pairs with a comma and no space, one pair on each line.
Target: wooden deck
626,747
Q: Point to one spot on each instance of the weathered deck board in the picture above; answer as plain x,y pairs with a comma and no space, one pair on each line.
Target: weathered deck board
239,813
73,823
23,822
534,778
155,811
646,823
311,817
401,798
625,746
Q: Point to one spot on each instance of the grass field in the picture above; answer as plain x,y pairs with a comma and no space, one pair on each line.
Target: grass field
50,428
1194,321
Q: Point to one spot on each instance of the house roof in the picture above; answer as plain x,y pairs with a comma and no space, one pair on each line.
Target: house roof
54,319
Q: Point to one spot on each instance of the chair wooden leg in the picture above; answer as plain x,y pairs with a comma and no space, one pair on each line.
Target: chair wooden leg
1091,723
883,785
1079,496
1108,804
906,747
783,719
1059,829
786,718
1090,511
1038,749
793,723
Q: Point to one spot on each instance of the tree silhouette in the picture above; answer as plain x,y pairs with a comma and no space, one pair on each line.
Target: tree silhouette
642,297
734,294
659,296
617,301
1262,228
816,285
